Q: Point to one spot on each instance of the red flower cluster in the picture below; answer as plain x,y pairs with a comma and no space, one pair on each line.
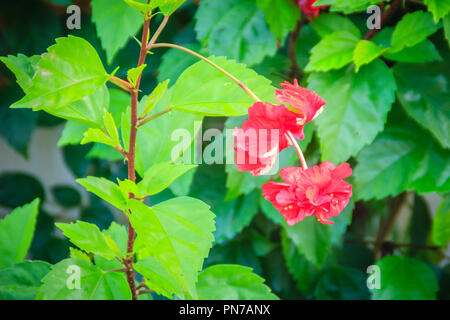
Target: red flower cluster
319,190
264,134
308,9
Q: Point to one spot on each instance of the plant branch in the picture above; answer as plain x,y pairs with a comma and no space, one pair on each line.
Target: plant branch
144,291
239,83
122,84
384,17
156,115
158,31
386,226
396,245
117,270
132,158
291,138
294,71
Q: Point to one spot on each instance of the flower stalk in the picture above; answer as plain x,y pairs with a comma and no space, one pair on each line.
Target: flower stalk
301,157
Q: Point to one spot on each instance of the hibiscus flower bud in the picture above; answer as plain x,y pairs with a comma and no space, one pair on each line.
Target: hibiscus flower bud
308,9
319,191
303,101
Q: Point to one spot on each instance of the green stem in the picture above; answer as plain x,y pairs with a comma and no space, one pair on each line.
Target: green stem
122,84
239,83
156,115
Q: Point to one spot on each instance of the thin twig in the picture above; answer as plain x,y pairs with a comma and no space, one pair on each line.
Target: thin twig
294,71
145,291
156,115
122,84
117,270
396,245
386,226
159,30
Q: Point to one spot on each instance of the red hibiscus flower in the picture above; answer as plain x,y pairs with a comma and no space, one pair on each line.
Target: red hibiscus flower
319,191
306,102
263,136
308,9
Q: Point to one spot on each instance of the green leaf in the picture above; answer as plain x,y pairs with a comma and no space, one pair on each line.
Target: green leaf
232,282
327,23
119,234
110,127
89,110
105,189
17,124
104,12
307,39
88,237
155,96
413,29
174,62
73,133
446,23
95,284
303,271
158,277
227,27
134,74
439,8
205,90
356,109
182,186
270,211
239,183
441,222
178,234
16,233
347,6
22,280
404,278
233,216
273,10
424,51
402,158
63,78
104,152
168,7
334,51
423,91
142,6
78,254
165,138
314,239
342,283
98,135
420,53
161,175
24,68
365,52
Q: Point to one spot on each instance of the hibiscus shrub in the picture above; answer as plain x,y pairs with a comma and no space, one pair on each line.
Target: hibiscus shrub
334,113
